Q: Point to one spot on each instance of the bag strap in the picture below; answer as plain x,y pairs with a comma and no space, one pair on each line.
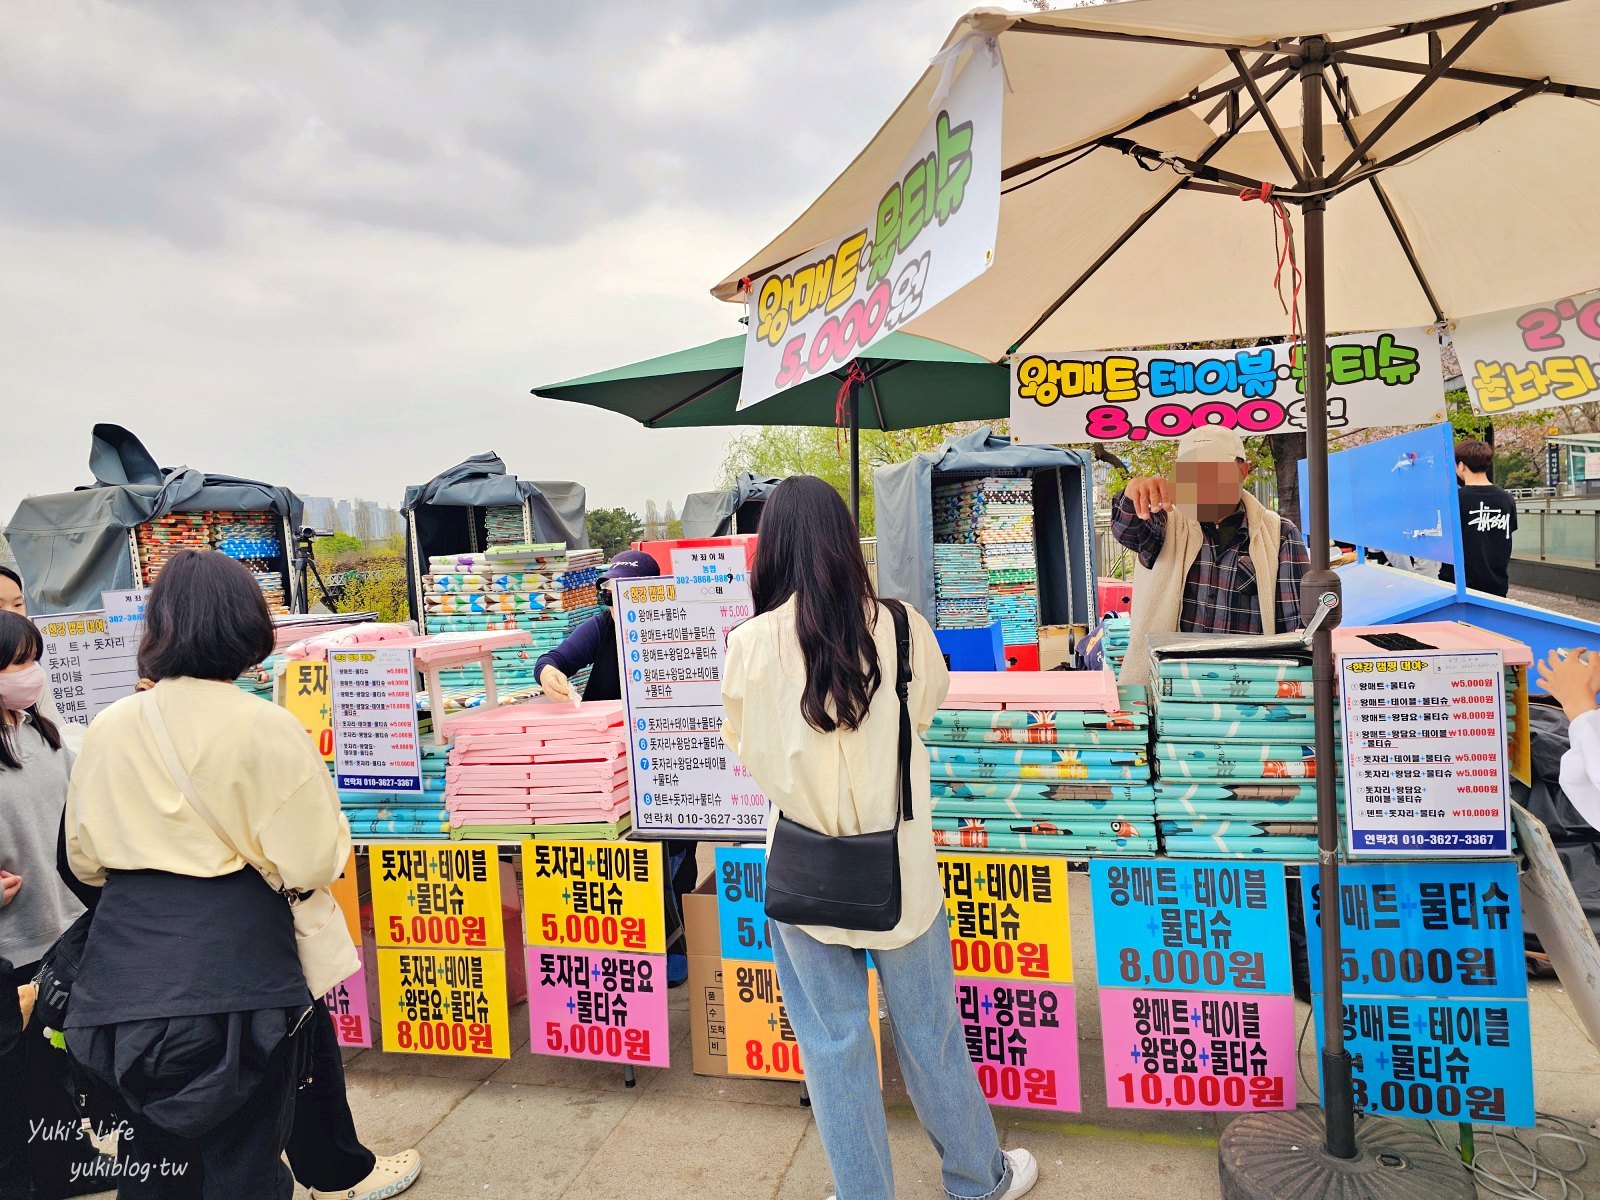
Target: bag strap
180,774
902,689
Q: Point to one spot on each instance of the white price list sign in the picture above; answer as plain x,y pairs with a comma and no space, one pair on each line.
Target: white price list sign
1425,755
671,653
374,699
89,665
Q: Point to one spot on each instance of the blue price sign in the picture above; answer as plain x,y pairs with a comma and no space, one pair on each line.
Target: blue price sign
1203,926
741,903
1424,929
1442,1060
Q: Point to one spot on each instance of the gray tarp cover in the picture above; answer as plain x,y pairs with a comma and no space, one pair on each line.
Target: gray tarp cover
557,505
710,514
73,546
1064,504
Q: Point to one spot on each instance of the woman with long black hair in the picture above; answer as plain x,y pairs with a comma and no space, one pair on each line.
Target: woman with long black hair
808,712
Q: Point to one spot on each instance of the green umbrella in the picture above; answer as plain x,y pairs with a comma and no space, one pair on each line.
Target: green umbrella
904,382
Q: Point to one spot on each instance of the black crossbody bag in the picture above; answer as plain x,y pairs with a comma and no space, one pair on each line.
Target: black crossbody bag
848,882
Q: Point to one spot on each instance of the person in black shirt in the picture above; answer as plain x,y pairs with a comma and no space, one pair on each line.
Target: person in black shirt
1488,519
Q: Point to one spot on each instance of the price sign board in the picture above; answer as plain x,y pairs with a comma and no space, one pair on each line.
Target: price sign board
376,747
1440,1059
1208,926
672,652
1425,755
351,1010
303,690
1424,929
1010,945
595,896
89,665
1198,1052
1436,1009
444,1002
761,1041
1007,916
446,897
597,966
1195,1003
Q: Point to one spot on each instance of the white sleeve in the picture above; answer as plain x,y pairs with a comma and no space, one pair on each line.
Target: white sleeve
1580,767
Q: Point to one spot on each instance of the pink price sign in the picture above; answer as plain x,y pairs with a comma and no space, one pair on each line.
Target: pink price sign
1198,1052
598,1005
352,1015
1023,1041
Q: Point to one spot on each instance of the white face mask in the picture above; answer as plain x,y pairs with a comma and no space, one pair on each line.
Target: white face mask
20,689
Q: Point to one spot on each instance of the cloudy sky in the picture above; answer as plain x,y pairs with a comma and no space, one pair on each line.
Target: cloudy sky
333,243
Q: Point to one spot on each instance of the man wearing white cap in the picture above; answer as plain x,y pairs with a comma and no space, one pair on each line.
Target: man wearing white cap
1212,558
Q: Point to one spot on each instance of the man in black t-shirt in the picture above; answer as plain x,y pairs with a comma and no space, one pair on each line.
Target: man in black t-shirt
1488,519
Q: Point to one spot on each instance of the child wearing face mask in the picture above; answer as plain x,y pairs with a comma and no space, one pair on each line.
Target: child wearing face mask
35,906
35,909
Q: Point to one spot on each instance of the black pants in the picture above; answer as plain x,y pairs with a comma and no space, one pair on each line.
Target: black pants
324,1151
39,1119
683,873
241,1159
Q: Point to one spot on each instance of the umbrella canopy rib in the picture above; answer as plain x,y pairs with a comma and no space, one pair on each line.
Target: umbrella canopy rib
1210,151
1117,35
1461,75
692,397
1505,8
1265,109
1344,110
1444,135
1403,105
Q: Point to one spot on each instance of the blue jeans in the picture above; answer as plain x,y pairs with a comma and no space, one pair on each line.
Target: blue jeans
825,991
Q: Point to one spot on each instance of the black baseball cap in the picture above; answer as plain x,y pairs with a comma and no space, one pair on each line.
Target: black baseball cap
633,564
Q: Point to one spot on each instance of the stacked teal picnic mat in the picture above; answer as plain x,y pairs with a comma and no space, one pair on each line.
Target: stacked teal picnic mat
1044,782
1234,750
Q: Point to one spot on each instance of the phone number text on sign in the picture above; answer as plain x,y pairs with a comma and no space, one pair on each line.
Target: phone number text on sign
1377,379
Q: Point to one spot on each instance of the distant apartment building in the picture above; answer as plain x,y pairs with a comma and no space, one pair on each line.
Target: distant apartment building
364,519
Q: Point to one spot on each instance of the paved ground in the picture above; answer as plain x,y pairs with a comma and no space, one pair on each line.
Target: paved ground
1572,606
537,1128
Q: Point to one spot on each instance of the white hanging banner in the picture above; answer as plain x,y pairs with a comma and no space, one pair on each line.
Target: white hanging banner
1392,377
1532,357
932,231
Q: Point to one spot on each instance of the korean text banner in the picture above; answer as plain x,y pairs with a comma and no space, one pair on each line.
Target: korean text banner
1391,377
1526,358
932,231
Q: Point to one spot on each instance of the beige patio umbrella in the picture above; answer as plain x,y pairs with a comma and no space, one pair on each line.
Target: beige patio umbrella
1435,160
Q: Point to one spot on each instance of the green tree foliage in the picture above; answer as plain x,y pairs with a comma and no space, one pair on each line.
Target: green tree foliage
613,529
785,450
338,548
1517,469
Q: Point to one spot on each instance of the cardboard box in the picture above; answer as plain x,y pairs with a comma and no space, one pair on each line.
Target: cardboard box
708,1015
1056,643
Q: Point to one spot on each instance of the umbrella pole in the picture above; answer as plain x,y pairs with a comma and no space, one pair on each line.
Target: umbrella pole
1338,1099
855,452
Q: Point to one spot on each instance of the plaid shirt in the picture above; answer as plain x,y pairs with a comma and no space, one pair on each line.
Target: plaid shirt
1219,595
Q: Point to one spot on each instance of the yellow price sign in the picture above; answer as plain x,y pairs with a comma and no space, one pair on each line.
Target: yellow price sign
760,1041
305,694
444,1002
1008,916
596,895
440,896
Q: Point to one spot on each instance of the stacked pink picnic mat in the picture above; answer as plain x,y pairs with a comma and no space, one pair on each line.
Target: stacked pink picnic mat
539,770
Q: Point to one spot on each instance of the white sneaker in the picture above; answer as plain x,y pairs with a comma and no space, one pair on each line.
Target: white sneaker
390,1176
1024,1174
